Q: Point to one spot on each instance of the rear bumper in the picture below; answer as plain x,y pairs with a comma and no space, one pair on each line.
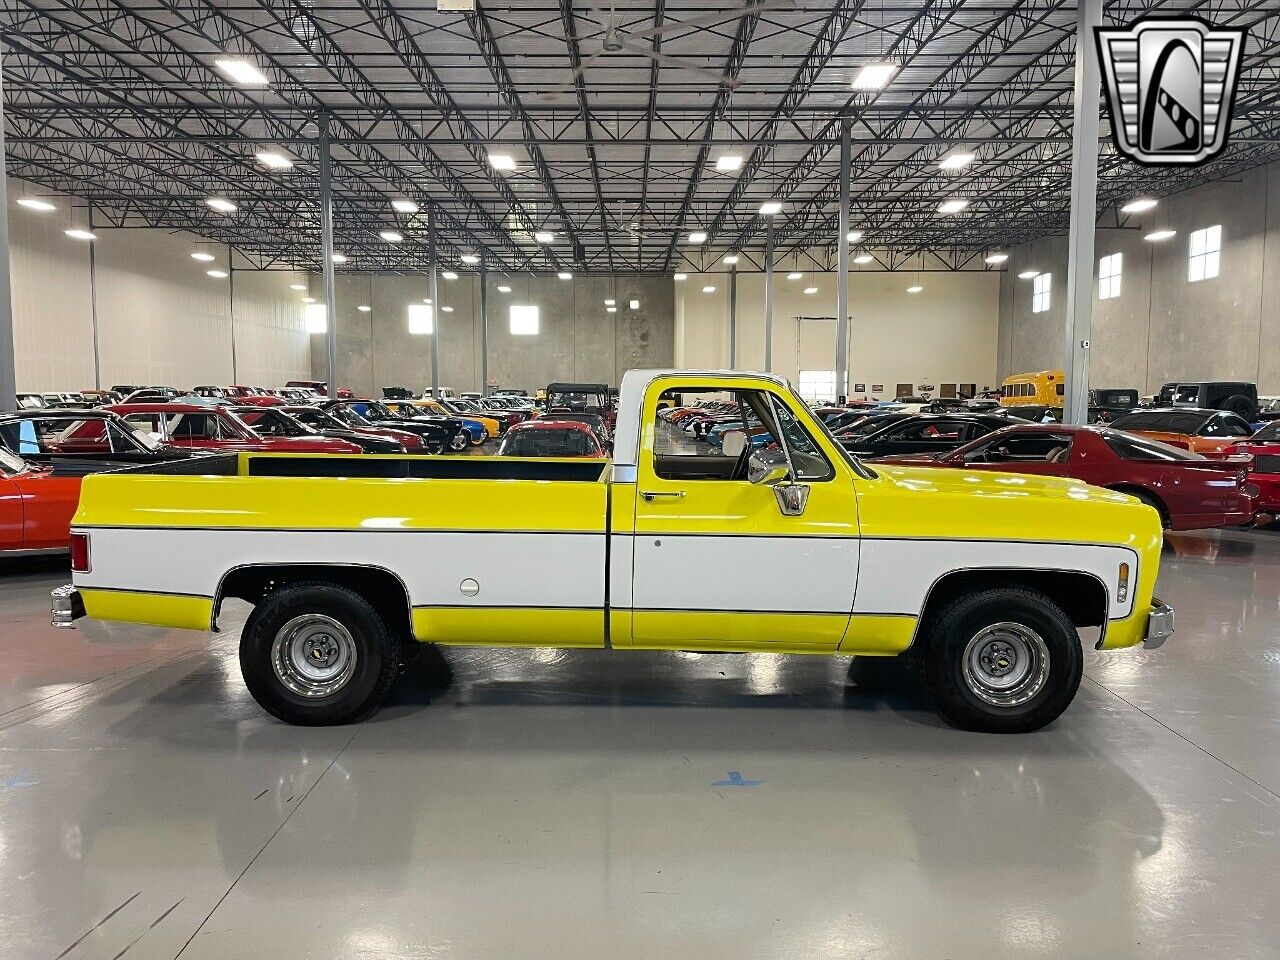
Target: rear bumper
65,607
1159,624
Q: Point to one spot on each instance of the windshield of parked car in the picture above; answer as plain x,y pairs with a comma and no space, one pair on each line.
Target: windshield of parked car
349,416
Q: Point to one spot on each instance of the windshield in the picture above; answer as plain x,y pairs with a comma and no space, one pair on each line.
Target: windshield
350,417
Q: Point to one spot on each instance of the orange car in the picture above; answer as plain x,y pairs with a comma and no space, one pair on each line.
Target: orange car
36,505
1207,432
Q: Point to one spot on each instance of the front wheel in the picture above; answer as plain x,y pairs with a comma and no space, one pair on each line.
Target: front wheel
316,653
459,441
1002,661
476,441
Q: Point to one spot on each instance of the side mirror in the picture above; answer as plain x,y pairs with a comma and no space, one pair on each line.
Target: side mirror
768,468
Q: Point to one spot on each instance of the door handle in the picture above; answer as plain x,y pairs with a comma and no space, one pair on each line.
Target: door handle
652,495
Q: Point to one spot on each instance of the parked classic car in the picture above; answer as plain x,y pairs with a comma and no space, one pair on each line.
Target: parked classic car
552,438
37,501
438,433
924,433
322,421
479,427
1264,468
189,425
277,422
985,578
1189,491
47,436
1238,396
1209,432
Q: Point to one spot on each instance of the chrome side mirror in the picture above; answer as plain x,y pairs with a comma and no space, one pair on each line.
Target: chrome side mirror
767,468
792,498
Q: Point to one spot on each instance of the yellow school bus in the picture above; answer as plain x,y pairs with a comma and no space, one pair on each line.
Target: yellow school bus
1024,389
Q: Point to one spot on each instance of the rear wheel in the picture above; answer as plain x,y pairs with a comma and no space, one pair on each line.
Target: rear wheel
1002,661
316,654
459,441
1242,405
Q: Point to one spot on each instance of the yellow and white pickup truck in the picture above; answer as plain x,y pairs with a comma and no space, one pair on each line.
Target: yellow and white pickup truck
785,546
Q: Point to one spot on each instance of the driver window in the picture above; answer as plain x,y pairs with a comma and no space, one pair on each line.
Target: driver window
1031,448
689,435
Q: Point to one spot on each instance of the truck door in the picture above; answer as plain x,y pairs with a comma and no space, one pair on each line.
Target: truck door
717,564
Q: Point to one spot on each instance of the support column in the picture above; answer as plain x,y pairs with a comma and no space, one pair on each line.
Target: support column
842,262
93,307
733,317
231,308
8,366
484,331
436,314
768,297
1084,214
326,253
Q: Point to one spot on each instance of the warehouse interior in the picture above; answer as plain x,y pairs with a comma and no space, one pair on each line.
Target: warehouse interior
884,211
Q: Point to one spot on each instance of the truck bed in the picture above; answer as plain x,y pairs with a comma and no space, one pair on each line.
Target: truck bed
381,466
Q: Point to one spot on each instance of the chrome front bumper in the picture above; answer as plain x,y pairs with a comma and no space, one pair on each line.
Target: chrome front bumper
66,607
1159,624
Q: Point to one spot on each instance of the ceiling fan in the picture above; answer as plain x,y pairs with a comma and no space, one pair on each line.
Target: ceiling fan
617,40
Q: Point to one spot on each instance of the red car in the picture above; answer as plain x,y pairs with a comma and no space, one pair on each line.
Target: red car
192,426
552,438
1264,470
252,396
1189,491
36,505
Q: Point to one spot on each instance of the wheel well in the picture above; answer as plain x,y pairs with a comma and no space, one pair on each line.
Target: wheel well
1081,596
384,590
1143,493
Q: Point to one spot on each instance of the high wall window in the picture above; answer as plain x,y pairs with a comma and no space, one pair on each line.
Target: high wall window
1040,290
1205,245
1109,269
818,386
524,320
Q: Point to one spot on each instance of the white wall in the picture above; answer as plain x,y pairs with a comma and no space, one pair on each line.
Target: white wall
161,319
945,334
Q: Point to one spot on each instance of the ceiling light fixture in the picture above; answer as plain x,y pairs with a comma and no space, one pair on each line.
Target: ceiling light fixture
35,203
996,258
565,275
854,236
863,258
308,299
679,276
708,289
795,275
952,206
1029,274
611,303
446,309
698,236
297,286
634,304
728,163
503,162
273,160
810,290
364,308
217,274
1157,235
874,76
204,257
221,205
731,258
610,309
339,258
242,71
956,161
448,275
75,233
469,258
914,289
1139,205
504,289
770,207
391,236
404,206
544,236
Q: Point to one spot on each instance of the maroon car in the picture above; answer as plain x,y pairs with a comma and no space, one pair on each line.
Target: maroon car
191,426
1189,491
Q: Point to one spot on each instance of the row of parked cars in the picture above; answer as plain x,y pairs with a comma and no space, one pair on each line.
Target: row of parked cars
1197,468
53,440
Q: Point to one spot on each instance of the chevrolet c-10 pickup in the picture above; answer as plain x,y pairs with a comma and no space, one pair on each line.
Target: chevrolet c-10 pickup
982,579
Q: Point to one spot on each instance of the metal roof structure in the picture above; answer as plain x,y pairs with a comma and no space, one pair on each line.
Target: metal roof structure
119,103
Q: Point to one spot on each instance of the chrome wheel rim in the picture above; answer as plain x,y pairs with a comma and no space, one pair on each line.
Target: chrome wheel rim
1006,664
313,655
459,442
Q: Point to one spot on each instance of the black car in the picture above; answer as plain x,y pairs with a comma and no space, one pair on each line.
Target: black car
871,422
94,436
437,433
925,433
1238,396
280,422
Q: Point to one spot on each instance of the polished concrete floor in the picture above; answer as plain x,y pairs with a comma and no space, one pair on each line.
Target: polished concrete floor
544,804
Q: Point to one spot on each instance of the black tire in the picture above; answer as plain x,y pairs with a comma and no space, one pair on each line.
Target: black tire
962,699
357,690
459,441
1242,405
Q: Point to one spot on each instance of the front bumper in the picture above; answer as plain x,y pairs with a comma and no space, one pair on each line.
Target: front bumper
66,606
1159,624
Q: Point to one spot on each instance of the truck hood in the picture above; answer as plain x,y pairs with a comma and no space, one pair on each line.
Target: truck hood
990,483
